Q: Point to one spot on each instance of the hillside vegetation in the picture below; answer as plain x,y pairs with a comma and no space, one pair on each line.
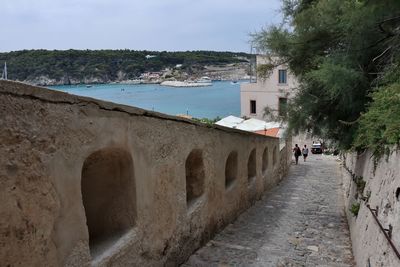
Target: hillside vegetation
346,54
106,65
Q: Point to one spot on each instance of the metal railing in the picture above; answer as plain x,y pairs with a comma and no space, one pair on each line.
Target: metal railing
386,231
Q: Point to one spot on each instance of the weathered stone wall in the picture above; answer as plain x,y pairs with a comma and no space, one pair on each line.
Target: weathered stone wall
90,182
382,190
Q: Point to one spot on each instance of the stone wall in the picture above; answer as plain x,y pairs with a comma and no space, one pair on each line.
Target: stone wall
381,191
86,182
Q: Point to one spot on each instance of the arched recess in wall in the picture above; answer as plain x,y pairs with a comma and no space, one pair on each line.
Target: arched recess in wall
195,175
231,169
252,166
264,166
109,196
274,156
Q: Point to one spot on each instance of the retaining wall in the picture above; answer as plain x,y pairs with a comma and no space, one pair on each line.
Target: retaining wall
86,182
381,192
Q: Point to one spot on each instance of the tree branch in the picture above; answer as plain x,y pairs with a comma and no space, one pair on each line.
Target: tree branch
382,54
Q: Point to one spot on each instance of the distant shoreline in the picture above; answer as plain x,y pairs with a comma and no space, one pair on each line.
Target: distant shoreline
73,67
130,82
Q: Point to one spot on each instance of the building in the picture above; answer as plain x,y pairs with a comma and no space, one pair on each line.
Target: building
151,75
273,129
272,92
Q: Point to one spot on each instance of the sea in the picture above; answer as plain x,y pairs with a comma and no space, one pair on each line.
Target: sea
219,100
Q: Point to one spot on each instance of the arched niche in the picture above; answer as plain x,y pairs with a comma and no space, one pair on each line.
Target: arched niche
195,176
108,194
231,169
252,166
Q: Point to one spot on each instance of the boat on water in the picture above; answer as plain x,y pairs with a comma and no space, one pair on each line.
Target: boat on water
185,84
204,80
89,86
235,78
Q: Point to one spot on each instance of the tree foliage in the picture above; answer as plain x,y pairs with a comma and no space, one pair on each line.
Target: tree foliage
342,51
207,121
380,125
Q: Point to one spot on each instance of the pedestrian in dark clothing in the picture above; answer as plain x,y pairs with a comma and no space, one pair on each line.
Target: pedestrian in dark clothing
297,153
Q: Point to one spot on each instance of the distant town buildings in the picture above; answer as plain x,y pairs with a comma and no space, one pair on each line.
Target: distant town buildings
150,56
151,75
4,74
270,92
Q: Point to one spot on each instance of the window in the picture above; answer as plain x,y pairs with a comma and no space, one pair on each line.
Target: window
282,107
283,76
253,107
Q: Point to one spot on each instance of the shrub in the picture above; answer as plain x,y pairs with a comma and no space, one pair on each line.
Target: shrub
359,180
355,208
380,126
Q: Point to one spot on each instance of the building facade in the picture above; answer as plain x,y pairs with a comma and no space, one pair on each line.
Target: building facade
272,92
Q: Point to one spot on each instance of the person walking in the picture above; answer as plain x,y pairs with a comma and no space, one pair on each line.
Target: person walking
305,152
297,153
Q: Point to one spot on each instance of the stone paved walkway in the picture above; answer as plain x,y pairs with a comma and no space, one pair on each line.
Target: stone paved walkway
299,223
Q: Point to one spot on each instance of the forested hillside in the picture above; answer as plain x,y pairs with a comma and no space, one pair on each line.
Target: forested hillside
105,65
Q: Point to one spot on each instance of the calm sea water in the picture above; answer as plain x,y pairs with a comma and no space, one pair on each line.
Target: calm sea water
221,99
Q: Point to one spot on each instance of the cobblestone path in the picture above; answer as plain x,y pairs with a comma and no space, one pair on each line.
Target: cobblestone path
301,222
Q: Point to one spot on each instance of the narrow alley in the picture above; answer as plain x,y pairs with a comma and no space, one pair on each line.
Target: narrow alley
301,222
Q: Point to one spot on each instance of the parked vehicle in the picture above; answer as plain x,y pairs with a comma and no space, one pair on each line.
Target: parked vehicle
316,148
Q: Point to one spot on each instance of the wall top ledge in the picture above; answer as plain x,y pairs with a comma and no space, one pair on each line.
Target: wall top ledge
22,90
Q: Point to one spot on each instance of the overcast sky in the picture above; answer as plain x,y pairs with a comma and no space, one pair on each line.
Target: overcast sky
172,25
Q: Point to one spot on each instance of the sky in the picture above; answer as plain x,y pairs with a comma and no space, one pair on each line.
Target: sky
160,25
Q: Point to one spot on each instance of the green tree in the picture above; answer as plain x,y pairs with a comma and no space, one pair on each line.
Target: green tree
341,51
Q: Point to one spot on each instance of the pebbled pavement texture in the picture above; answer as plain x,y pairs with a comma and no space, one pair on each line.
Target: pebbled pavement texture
301,222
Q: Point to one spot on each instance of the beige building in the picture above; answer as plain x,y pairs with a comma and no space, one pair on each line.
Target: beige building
272,92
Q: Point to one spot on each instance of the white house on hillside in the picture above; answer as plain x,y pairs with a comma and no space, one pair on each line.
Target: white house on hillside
272,92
